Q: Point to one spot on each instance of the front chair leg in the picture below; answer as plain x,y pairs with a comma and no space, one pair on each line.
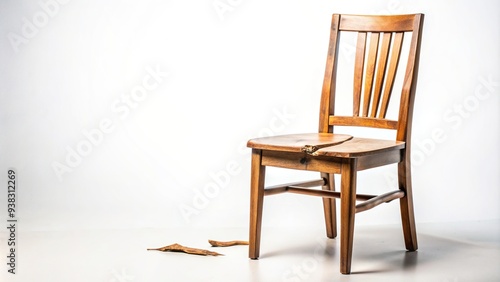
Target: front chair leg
256,202
347,213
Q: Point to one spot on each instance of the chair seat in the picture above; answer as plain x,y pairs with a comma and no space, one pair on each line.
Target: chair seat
325,144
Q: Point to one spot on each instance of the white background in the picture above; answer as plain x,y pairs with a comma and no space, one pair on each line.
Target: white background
236,70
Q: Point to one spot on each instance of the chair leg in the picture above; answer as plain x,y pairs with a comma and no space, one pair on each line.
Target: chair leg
330,207
256,203
406,206
347,213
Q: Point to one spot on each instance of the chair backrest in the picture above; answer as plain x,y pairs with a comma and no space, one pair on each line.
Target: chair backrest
376,64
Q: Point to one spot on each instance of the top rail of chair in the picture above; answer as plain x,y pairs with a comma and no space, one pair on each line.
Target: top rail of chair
379,23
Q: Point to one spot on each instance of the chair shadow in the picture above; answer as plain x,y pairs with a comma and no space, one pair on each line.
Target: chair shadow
324,247
408,263
388,256
432,250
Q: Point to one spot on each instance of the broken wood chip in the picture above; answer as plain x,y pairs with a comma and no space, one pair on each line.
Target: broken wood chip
187,250
226,243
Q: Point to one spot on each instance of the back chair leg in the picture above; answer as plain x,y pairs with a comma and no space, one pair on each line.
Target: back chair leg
256,202
347,213
329,206
406,206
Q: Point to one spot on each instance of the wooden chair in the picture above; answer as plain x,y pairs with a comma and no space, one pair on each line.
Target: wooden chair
377,57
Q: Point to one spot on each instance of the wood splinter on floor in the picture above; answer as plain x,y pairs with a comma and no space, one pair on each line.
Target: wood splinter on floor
227,243
187,250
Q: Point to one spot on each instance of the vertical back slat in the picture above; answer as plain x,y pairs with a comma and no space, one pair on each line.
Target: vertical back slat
391,73
382,63
358,71
370,70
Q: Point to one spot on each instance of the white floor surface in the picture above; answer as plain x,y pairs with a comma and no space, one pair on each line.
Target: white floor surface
448,252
